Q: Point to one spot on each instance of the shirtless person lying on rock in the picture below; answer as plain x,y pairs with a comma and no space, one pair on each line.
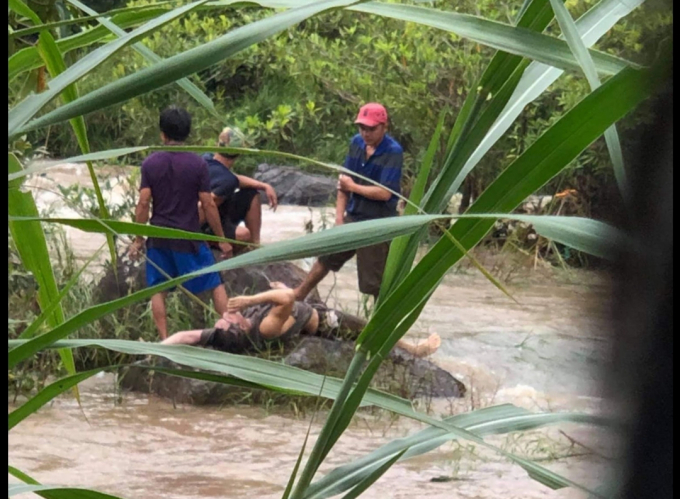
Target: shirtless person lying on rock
252,321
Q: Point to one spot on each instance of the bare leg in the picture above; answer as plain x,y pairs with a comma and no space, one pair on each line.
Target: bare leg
159,315
253,219
220,299
243,234
314,277
424,348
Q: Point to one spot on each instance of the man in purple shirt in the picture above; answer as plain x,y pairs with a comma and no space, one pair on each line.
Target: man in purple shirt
175,182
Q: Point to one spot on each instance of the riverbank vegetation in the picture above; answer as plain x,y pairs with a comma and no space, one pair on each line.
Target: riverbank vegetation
65,83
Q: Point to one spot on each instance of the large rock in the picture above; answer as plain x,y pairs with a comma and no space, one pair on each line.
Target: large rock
296,187
401,374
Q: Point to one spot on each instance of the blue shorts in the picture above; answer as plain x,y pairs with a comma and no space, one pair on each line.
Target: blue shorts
176,263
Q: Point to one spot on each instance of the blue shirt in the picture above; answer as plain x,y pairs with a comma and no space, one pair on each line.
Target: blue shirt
384,167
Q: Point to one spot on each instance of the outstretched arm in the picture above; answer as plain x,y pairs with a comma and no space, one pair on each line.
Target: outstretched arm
184,338
250,183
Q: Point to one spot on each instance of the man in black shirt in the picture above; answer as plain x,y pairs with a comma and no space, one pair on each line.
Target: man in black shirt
236,196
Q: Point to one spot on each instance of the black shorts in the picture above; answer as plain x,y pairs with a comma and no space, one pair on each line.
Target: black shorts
370,264
233,211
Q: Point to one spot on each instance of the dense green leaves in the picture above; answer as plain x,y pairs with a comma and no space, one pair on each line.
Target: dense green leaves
515,40
29,107
171,69
150,56
538,77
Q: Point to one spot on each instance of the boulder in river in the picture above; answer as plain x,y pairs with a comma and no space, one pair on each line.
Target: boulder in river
294,186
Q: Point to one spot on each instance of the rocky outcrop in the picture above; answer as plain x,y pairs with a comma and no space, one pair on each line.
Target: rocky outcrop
296,187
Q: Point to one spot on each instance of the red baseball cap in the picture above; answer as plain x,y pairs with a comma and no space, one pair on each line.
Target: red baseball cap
371,114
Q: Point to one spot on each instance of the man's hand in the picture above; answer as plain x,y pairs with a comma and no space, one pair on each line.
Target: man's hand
339,220
345,183
271,196
227,250
135,249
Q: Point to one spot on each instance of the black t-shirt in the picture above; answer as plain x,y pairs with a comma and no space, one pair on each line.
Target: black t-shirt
223,182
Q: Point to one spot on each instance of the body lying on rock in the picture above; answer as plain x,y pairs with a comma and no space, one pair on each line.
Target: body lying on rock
253,321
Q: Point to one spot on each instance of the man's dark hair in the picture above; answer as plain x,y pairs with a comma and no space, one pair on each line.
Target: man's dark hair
175,123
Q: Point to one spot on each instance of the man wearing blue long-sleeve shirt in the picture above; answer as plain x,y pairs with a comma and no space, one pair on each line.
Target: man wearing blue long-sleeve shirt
375,155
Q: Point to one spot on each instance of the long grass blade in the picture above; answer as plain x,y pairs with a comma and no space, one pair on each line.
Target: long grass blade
28,58
47,394
56,492
253,370
293,475
55,65
482,105
33,327
511,39
117,227
337,239
198,95
372,478
394,264
538,77
580,51
29,107
80,20
175,67
488,421
278,376
32,247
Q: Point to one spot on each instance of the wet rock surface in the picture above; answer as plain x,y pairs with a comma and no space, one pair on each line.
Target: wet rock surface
296,187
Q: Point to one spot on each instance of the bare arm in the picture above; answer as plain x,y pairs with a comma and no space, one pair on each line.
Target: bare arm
201,212
142,211
210,213
250,183
372,192
340,207
184,338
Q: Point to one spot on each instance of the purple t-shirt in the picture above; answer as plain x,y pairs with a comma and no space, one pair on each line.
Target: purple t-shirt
175,179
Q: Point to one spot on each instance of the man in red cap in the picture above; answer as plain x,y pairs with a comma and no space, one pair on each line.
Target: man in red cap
375,155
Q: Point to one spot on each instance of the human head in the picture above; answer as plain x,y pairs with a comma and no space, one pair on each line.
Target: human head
230,137
372,121
175,124
234,322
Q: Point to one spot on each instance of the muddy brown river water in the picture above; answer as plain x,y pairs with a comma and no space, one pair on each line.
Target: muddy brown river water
544,353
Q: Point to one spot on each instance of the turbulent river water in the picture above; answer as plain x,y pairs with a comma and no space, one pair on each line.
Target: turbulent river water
544,353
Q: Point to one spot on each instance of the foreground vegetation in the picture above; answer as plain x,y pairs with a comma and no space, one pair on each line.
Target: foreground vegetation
525,64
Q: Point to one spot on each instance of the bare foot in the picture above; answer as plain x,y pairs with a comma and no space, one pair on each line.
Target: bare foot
278,285
237,303
428,346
